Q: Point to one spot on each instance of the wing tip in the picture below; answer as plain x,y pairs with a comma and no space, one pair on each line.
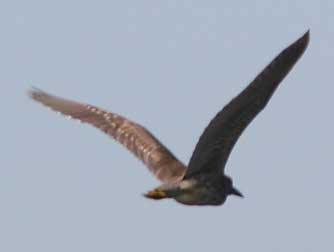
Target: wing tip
306,37
36,94
303,41
296,49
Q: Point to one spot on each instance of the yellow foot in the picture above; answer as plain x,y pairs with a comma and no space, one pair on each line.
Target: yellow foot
156,194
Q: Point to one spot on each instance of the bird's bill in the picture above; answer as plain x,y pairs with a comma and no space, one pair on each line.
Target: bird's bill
236,192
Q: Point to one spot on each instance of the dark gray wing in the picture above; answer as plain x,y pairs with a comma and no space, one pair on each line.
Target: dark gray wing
216,143
160,161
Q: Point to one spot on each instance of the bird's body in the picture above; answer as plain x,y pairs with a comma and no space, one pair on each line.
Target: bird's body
204,190
209,189
203,182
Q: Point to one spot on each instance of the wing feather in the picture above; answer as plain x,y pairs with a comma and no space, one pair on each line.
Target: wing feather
216,142
139,141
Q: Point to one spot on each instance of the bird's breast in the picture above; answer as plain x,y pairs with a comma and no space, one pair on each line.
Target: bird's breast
192,192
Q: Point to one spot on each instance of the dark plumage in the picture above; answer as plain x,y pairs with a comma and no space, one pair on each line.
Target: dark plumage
204,181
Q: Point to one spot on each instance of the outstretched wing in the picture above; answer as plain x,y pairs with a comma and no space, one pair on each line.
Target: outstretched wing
133,136
216,143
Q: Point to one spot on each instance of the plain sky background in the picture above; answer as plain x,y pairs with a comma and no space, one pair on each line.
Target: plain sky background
171,66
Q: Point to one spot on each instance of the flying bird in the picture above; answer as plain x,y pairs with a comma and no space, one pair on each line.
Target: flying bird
203,181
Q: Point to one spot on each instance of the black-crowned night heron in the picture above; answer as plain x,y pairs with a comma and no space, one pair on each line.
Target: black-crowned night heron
203,182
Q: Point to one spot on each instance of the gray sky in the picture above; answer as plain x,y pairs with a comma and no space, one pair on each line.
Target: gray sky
171,66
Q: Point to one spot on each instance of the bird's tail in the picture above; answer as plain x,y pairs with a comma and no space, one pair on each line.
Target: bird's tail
157,194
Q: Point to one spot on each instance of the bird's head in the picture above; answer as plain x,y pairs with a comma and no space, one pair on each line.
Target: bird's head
232,190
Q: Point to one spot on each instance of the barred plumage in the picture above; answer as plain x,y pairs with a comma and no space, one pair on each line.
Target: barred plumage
204,182
131,135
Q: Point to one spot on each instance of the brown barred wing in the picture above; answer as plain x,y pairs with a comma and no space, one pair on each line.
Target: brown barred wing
160,161
217,141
